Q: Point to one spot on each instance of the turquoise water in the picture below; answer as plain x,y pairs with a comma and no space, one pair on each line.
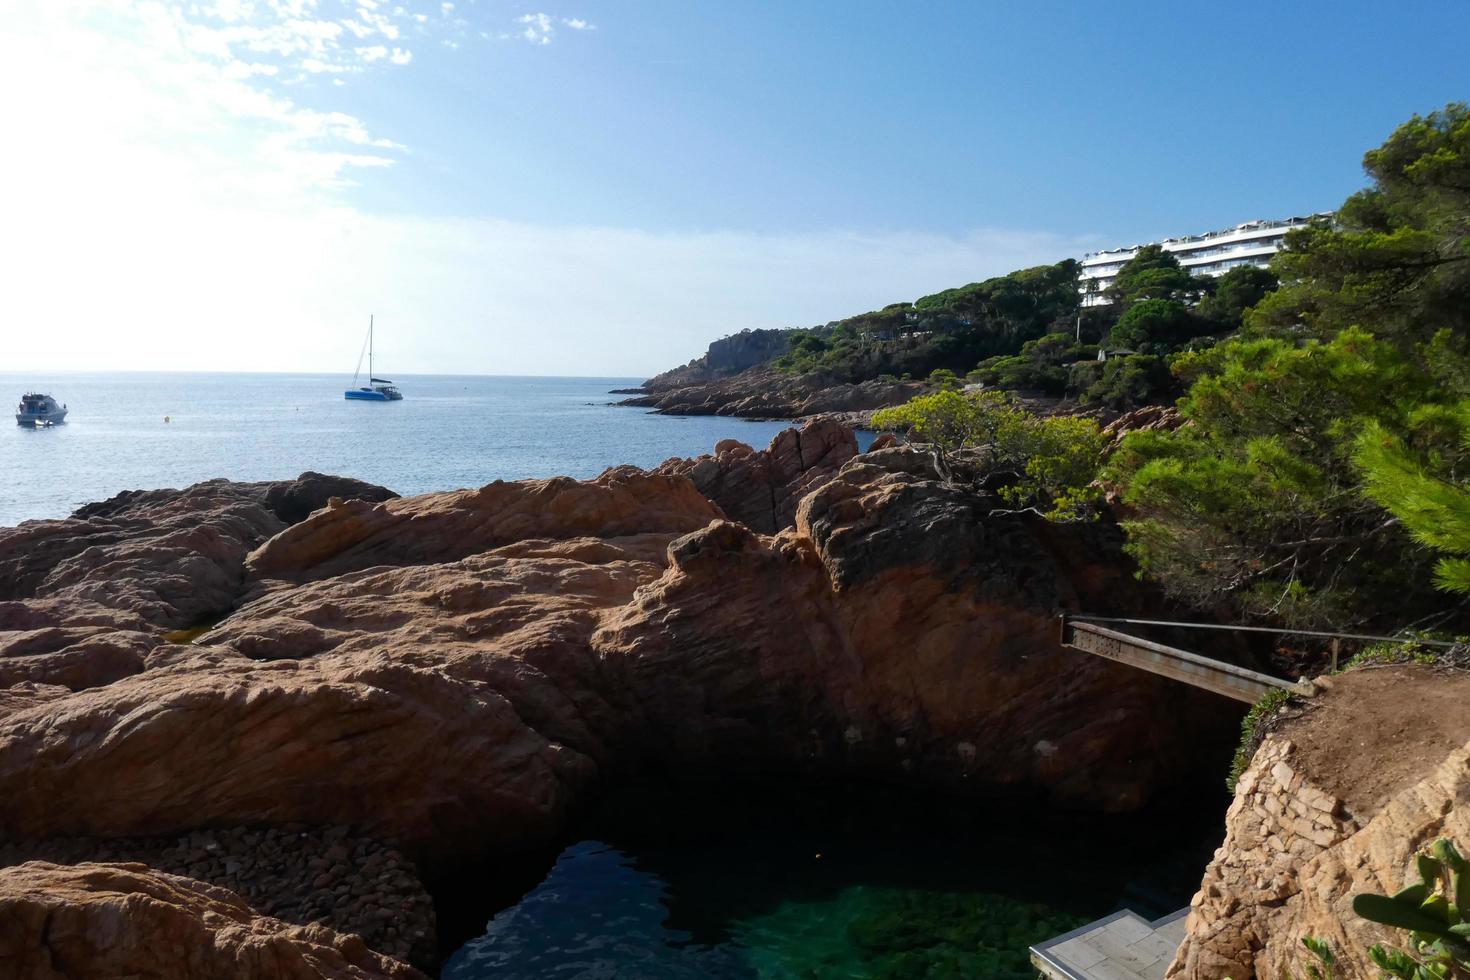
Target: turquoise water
804,888
448,432
601,913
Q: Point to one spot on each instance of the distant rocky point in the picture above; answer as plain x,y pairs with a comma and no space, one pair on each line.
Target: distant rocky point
763,392
725,357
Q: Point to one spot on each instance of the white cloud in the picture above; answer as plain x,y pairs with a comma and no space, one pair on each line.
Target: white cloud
180,213
194,92
538,29
578,24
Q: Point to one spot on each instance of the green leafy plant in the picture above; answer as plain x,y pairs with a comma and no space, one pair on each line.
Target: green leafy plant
1325,956
1434,911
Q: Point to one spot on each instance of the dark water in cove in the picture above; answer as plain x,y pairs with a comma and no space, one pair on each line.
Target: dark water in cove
448,432
870,885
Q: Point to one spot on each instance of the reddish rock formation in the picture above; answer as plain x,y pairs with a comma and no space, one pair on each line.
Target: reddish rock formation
1334,803
172,557
454,673
897,629
761,488
441,527
103,921
1149,418
297,874
465,705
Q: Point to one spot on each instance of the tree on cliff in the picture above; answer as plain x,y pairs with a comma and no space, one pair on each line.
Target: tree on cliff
1397,258
1421,488
1043,465
1270,498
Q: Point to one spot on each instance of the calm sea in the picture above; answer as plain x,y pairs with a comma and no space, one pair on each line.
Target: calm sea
133,431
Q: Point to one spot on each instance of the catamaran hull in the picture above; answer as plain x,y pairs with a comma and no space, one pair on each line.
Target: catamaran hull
358,395
40,418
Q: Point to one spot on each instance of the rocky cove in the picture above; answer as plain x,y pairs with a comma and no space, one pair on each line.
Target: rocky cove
270,729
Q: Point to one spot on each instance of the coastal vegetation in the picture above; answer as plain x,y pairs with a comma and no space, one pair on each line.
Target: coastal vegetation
1044,465
1322,473
1323,463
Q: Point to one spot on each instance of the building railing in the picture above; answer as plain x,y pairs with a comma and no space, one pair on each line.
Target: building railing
1248,228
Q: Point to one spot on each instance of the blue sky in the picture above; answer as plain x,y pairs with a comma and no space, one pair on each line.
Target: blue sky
593,187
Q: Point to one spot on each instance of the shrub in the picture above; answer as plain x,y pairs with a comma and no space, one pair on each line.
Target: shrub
1253,730
1032,463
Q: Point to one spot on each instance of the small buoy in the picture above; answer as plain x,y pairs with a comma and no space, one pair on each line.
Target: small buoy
165,418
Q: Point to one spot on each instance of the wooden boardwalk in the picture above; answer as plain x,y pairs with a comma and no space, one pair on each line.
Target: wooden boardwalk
1123,946
1180,665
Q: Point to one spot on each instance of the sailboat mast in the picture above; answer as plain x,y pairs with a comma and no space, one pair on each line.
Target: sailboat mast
370,348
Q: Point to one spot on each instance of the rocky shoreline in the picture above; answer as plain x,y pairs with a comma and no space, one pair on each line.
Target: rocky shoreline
261,716
763,392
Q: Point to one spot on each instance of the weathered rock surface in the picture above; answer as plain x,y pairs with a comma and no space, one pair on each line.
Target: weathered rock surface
897,629
106,921
761,488
172,557
1334,803
456,673
762,392
84,601
1149,418
459,705
443,527
298,874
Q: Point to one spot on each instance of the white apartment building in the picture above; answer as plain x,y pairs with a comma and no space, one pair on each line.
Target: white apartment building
1210,254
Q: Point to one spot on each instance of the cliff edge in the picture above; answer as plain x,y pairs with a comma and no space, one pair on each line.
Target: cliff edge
1336,801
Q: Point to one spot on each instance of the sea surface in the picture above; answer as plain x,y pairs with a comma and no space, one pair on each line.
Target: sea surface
142,431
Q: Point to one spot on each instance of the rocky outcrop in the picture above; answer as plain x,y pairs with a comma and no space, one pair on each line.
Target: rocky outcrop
1149,418
172,557
761,488
1336,802
101,921
443,527
897,629
456,674
726,356
295,873
765,393
463,705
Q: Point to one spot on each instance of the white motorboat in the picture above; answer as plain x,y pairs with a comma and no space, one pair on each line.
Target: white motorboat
38,409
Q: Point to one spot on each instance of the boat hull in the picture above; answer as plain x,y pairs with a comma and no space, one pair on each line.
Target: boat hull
40,418
369,395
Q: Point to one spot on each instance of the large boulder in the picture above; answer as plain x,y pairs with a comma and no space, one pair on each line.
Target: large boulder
106,921
441,527
761,488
